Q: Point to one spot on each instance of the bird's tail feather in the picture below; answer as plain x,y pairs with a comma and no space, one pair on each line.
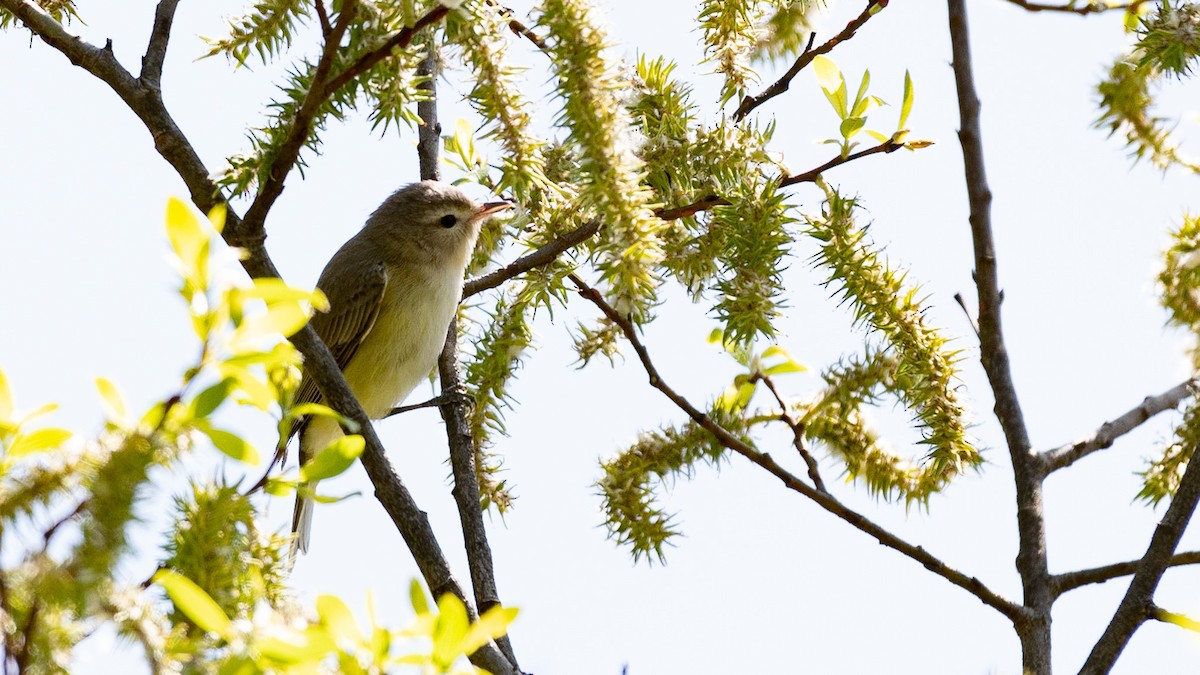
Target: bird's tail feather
302,524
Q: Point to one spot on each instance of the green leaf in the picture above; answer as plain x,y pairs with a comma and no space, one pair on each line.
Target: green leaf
273,289
851,126
207,401
876,135
111,398
229,443
279,487
281,319
861,101
828,75
334,459
37,441
194,603
784,368
906,106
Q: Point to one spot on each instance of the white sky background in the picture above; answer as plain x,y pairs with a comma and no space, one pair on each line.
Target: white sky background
763,581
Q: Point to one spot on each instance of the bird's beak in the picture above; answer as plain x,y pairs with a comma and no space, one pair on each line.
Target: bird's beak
489,209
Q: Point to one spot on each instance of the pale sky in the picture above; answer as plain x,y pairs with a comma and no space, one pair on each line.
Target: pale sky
763,580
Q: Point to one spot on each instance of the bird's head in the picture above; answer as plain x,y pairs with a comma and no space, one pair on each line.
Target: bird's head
432,219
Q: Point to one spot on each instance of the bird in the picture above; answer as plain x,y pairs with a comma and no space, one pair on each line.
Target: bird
393,289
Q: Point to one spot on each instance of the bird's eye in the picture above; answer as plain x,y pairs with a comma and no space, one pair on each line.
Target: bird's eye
449,220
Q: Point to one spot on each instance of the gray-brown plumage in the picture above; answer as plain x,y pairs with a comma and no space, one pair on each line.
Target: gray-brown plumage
393,289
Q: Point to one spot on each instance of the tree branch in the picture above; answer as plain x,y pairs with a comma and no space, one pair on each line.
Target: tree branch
519,29
1109,432
814,473
156,49
301,127
972,585
544,255
888,146
1027,475
1089,8
323,18
171,143
1070,581
782,84
1135,606
402,38
455,410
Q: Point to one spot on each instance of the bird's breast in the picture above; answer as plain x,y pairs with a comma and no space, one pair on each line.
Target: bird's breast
403,346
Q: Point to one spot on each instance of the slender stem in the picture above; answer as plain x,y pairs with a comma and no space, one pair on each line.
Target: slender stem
811,175
814,473
1136,606
1182,620
1069,581
1066,455
782,84
764,460
402,38
1073,8
323,18
1031,527
544,255
455,409
156,49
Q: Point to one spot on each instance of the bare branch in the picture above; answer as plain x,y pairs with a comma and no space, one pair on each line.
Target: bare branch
156,50
1069,581
972,585
781,85
1182,620
703,204
888,146
544,255
1134,607
1027,475
1084,10
814,473
1110,431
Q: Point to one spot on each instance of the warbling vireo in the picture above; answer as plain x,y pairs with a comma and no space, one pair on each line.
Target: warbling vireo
393,289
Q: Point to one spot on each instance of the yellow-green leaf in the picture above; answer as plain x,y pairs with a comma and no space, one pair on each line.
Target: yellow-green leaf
450,630
337,618
229,443
216,216
187,238
112,399
334,459
194,603
490,626
37,441
280,319
416,595
273,289
6,399
906,105
828,75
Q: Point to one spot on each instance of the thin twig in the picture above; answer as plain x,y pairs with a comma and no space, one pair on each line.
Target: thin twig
1084,10
402,38
806,57
544,255
1131,613
1109,432
814,473
519,29
1069,581
890,145
156,48
703,204
323,18
1031,526
456,408
972,585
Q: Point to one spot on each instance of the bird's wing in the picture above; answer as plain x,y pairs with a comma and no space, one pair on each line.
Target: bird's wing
353,308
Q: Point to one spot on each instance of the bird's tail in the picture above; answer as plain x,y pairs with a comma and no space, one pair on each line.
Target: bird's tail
302,524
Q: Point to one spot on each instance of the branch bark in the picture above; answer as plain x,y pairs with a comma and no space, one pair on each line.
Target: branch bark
156,49
1031,556
544,255
1066,455
972,585
1138,602
455,409
1069,581
1088,8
